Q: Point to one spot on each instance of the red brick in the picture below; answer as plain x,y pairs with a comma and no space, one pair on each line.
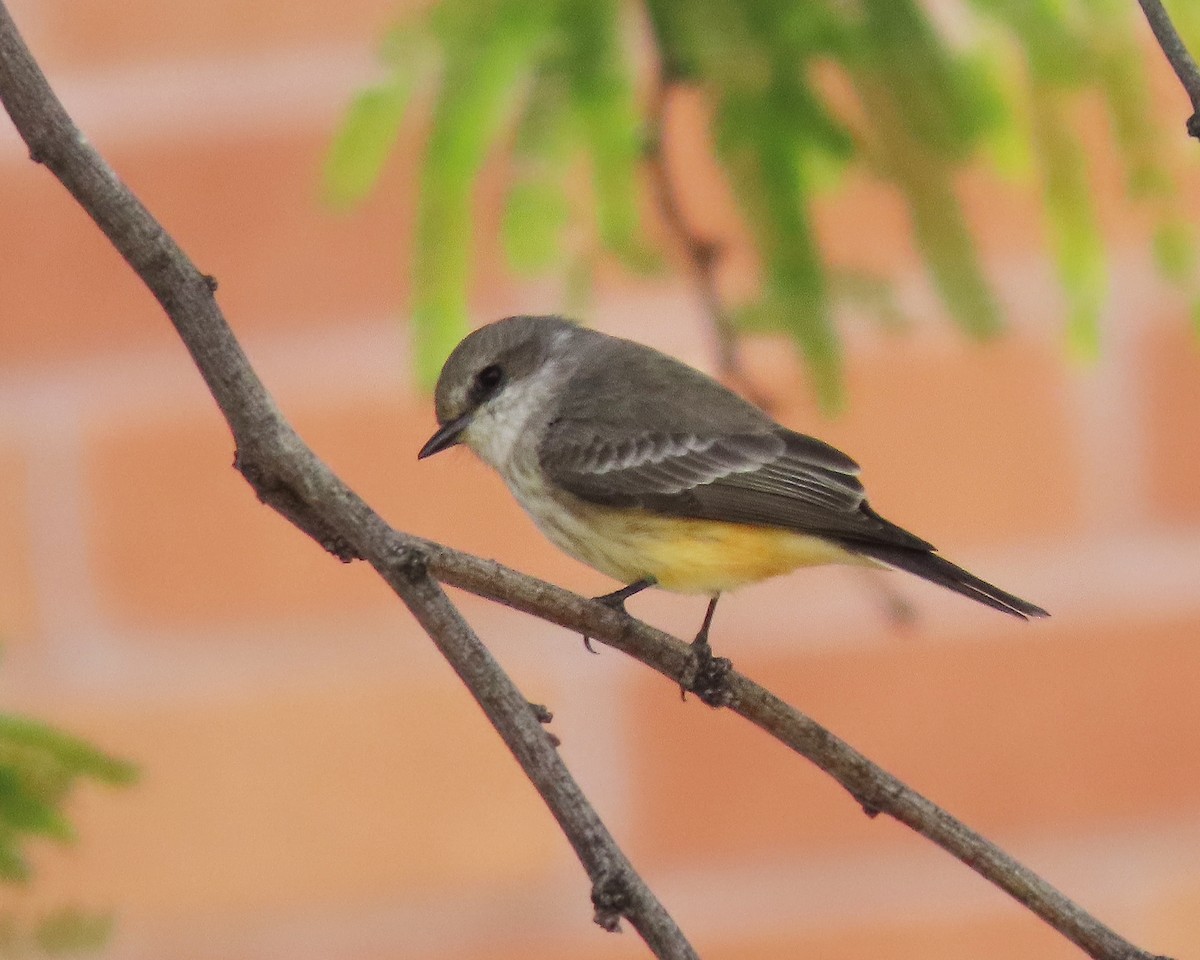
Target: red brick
961,443
18,602
1066,726
246,210
1175,918
350,789
106,32
179,539
1011,937
1169,373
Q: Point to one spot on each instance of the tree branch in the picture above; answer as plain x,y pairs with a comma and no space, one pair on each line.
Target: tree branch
287,475
291,479
616,889
1178,56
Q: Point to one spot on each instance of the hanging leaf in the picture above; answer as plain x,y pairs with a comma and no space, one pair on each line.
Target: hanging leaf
760,153
1078,246
1175,250
600,84
372,122
490,53
537,209
939,225
946,102
799,93
361,146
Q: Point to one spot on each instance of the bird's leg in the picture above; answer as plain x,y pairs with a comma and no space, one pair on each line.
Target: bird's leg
708,679
616,601
617,598
700,645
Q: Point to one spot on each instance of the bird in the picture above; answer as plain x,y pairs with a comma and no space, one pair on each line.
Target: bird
656,475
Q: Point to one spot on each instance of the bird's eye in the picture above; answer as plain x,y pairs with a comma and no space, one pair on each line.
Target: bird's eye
487,381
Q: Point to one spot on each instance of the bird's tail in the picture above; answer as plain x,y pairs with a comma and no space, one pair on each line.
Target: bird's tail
937,569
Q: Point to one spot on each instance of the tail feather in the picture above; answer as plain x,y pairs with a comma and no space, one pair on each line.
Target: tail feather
936,569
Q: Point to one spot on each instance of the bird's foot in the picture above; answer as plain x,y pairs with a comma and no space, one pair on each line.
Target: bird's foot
707,677
616,601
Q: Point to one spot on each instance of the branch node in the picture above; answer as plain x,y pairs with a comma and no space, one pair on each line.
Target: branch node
413,565
610,897
37,155
1193,125
275,491
708,678
543,716
210,281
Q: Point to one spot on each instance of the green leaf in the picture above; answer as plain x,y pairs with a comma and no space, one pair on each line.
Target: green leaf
601,87
1120,70
949,250
1048,34
762,157
945,102
361,146
371,124
23,811
1185,14
70,930
77,757
939,225
1078,246
1175,250
535,216
13,867
537,208
489,52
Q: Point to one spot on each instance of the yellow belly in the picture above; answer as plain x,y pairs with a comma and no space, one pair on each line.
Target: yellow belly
685,556
699,556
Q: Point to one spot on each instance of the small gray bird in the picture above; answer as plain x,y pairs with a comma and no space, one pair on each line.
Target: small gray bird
656,475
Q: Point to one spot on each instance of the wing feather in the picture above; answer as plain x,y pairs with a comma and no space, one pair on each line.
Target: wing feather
772,477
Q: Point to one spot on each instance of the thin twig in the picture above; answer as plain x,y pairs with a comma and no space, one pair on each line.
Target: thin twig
703,255
1178,56
876,790
288,476
617,890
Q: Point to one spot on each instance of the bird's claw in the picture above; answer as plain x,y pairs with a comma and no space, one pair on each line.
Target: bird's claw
707,676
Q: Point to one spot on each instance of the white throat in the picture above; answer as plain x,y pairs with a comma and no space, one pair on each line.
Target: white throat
512,416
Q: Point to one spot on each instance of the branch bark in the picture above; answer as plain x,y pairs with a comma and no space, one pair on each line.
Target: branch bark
289,477
1178,56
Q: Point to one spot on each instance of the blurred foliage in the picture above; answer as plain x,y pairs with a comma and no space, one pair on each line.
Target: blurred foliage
64,932
798,93
39,766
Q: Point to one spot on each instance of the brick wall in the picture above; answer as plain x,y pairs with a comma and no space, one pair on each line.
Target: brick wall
316,783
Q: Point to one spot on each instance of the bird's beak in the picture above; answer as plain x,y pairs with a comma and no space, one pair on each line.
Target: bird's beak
447,436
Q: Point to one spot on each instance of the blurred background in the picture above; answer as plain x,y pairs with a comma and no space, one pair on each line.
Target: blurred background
958,242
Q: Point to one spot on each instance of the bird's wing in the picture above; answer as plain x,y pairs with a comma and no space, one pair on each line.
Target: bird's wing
769,476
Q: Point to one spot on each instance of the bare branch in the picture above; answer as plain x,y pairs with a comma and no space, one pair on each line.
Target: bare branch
617,890
876,790
288,476
1178,56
